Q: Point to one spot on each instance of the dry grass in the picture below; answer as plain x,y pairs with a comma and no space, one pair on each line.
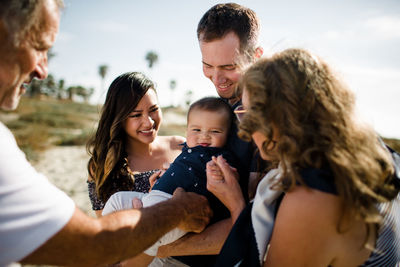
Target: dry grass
39,124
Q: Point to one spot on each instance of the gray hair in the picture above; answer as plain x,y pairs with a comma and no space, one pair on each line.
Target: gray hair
19,16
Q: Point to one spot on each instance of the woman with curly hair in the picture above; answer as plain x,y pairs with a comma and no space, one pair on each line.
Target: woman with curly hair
340,204
126,150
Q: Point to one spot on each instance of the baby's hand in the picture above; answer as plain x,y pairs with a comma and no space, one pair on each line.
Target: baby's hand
155,176
214,171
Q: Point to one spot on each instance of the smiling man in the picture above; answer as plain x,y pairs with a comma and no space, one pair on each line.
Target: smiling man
23,59
228,37
228,40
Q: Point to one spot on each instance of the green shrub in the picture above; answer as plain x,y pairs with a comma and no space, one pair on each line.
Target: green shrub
75,140
48,119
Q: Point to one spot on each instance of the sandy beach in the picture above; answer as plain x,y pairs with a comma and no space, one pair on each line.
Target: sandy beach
65,166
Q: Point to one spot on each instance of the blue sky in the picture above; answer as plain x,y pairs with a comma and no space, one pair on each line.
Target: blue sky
359,38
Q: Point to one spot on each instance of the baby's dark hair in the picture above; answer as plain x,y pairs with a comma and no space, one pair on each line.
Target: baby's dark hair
212,103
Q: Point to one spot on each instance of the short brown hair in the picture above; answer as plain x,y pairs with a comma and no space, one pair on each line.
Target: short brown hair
222,19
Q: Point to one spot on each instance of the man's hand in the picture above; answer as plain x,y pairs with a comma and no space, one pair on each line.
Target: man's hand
196,209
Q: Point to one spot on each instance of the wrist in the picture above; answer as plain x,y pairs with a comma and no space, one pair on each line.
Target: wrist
236,211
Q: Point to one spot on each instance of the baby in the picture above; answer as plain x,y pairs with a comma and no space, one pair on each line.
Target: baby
208,122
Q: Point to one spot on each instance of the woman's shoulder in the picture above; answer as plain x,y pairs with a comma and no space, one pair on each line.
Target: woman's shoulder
309,200
306,219
173,142
312,210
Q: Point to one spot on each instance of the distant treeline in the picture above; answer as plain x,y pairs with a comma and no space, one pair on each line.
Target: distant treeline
56,89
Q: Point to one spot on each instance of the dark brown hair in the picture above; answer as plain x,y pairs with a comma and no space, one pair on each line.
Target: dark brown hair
107,146
222,19
214,104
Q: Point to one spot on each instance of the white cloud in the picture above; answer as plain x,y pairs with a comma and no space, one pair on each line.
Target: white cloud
387,27
379,28
110,26
383,73
332,35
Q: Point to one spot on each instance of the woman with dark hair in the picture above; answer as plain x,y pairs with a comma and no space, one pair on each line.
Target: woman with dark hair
340,204
126,150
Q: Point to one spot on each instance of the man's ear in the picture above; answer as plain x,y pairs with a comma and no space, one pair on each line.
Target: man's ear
259,52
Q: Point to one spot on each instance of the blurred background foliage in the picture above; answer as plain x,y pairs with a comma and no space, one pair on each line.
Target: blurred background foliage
39,123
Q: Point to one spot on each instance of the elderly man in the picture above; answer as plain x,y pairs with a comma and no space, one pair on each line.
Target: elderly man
38,222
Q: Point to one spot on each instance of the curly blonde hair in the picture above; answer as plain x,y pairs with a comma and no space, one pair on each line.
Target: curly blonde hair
313,112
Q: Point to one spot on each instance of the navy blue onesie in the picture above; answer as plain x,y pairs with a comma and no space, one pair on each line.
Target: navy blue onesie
189,172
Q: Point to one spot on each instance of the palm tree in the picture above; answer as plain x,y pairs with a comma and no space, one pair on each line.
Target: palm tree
61,85
35,87
50,86
152,58
188,97
172,86
71,92
103,69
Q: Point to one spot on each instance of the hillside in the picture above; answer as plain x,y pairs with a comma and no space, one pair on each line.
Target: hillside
41,124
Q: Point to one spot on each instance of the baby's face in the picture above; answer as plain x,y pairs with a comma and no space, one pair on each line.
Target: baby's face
207,128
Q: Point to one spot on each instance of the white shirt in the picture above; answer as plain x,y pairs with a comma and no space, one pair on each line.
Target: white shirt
32,210
263,211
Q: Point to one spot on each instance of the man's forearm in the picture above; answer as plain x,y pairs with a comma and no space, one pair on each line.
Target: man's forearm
208,242
87,241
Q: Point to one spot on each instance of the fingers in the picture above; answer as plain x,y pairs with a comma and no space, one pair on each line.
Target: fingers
213,171
165,166
197,210
153,178
228,172
218,170
200,224
178,191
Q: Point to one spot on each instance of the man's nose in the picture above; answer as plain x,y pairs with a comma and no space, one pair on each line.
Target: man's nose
218,77
41,70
